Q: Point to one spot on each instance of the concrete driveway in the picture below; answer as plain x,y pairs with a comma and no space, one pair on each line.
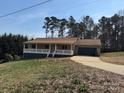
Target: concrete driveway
97,63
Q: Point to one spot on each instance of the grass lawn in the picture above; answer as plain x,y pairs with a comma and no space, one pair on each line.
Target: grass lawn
113,57
56,76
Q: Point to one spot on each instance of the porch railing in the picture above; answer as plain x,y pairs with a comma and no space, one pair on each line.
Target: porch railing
46,51
36,50
67,52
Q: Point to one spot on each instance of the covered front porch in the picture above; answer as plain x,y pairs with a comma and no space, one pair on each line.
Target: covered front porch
48,49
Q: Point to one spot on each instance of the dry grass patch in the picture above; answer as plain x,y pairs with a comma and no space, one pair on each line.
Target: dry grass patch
2,65
114,60
56,76
114,57
113,54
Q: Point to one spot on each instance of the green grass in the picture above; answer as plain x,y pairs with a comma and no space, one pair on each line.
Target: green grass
113,54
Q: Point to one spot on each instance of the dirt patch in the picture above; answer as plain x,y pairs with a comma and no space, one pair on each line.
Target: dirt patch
99,81
114,60
2,65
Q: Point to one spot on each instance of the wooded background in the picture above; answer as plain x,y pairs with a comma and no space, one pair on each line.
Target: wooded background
110,30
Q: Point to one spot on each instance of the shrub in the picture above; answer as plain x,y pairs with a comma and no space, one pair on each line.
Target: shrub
8,57
76,81
83,88
16,57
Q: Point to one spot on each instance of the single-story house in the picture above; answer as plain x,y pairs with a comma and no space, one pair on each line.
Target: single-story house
61,46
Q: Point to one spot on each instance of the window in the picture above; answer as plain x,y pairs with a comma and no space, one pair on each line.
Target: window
39,46
64,47
46,46
33,46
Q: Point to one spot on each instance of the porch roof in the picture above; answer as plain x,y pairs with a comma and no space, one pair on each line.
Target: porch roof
83,42
53,41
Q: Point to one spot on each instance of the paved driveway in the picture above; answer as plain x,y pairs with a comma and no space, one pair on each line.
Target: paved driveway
97,63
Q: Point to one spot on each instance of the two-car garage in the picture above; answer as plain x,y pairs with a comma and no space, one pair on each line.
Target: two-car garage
87,51
88,47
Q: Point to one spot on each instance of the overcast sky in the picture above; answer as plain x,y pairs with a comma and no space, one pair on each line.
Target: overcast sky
30,22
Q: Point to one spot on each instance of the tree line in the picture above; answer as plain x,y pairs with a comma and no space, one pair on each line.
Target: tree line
12,44
110,30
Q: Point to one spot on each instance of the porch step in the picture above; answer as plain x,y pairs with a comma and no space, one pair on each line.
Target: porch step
48,54
53,54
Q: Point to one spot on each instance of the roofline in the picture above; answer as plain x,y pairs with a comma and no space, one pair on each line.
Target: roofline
75,42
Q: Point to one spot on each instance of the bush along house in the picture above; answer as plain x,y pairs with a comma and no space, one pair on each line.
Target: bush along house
61,47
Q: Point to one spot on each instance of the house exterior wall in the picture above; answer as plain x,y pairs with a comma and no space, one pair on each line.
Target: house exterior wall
64,47
98,51
41,46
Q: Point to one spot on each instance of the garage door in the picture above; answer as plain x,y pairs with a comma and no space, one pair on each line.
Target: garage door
87,51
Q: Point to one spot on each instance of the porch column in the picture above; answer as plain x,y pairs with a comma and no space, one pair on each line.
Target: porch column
23,48
49,47
71,47
55,47
36,48
29,46
72,50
